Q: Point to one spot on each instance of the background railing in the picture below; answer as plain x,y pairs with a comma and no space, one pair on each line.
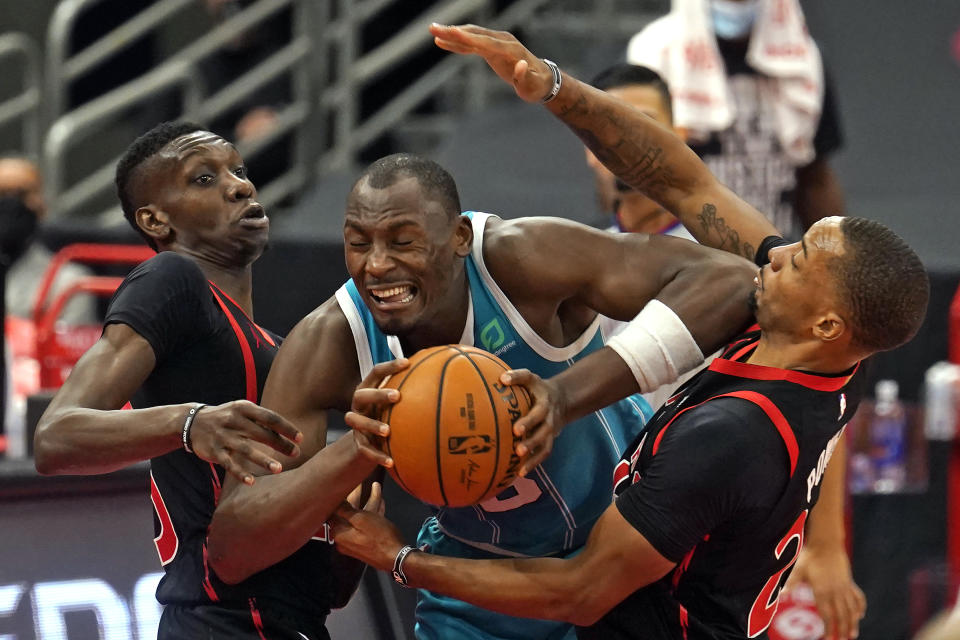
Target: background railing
23,106
332,68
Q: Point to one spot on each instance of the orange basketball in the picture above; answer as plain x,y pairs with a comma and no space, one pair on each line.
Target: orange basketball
451,434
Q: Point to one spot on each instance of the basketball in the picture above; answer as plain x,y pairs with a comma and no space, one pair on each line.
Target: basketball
451,433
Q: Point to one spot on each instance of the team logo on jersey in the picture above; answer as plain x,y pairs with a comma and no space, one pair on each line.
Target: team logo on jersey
459,445
843,405
491,335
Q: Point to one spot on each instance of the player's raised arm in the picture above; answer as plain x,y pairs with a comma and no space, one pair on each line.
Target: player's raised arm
638,150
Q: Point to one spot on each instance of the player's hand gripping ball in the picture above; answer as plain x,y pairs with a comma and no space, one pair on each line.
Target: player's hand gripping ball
451,434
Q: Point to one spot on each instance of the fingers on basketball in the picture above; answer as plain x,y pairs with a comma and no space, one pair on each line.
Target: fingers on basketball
451,434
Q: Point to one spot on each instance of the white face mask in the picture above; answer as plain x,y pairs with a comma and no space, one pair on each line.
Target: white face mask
733,20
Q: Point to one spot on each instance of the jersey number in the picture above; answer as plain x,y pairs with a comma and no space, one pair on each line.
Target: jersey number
166,542
527,491
765,606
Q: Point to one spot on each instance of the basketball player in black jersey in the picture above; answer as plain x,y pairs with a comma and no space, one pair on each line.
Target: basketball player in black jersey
178,332
712,501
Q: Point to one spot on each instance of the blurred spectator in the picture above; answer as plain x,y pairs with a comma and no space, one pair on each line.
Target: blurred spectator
751,97
257,115
631,210
21,188
23,262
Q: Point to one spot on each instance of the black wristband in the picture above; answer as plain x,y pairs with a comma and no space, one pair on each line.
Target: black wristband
185,435
398,574
763,251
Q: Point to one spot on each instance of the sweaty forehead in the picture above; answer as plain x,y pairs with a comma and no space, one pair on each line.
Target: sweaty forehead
826,235
194,142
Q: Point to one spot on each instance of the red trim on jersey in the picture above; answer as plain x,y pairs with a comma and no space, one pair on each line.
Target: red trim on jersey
762,401
249,367
257,620
684,565
684,620
166,542
215,482
656,442
266,336
207,585
776,417
759,372
736,344
740,352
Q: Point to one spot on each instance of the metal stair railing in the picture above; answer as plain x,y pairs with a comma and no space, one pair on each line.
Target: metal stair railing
25,105
79,123
62,68
355,72
329,129
295,58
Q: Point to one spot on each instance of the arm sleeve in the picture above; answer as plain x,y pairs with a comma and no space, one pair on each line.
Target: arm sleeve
763,253
719,461
166,300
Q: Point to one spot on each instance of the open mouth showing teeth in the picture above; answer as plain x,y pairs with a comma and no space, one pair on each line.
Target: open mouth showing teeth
397,295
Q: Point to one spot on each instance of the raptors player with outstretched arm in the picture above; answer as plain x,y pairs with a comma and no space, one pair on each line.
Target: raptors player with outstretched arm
711,502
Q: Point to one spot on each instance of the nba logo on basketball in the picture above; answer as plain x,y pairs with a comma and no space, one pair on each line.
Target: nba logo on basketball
459,445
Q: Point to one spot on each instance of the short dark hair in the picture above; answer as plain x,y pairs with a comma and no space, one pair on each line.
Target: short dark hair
133,158
435,181
624,74
883,283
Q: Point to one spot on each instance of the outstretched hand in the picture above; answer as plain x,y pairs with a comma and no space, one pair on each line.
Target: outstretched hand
369,401
529,76
225,435
541,425
839,600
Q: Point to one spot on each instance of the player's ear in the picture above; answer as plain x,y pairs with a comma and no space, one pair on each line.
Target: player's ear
829,327
154,222
463,236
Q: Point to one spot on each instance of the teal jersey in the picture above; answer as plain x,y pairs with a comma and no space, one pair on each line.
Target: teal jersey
552,509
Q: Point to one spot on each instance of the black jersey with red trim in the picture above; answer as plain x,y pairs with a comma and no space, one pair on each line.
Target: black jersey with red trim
207,350
721,483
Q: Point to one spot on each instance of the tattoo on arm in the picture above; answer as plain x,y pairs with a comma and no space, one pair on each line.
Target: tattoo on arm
729,237
634,159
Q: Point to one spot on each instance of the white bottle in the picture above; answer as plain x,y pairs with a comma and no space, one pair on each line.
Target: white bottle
941,395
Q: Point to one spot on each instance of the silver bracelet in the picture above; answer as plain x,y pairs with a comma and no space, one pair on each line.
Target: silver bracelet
557,81
185,435
398,574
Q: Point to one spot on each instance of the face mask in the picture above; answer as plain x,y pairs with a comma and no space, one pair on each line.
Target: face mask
733,20
17,226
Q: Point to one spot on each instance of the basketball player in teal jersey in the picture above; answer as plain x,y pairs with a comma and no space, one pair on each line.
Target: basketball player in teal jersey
528,290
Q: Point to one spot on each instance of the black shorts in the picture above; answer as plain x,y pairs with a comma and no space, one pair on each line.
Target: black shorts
217,622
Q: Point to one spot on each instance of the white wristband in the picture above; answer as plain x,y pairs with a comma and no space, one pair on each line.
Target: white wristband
657,346
557,81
